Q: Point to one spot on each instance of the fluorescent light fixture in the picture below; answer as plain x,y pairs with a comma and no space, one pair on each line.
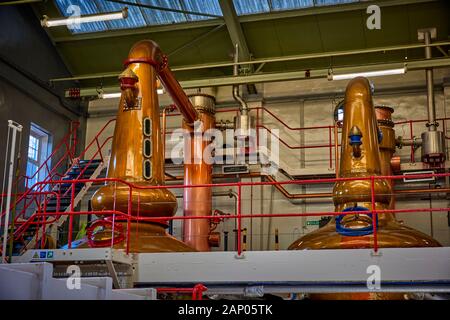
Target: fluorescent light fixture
75,20
160,90
109,95
387,72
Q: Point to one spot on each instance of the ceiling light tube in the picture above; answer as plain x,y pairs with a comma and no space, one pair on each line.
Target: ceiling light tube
387,72
46,22
109,95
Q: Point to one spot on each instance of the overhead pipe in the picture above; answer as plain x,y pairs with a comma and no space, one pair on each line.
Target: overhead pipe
173,87
270,60
242,122
432,123
243,105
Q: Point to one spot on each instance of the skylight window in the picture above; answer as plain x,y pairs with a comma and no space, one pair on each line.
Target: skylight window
141,16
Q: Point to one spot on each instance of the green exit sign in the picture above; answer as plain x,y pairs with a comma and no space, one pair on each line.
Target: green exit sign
312,223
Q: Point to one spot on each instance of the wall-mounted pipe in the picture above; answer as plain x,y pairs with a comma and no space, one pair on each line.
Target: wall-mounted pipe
433,141
432,123
242,122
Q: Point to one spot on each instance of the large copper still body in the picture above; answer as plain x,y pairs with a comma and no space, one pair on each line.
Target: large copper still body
367,149
137,153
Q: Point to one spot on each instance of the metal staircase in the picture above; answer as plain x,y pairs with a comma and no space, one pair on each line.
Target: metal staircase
52,197
84,169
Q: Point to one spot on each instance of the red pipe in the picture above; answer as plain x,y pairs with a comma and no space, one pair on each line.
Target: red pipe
374,214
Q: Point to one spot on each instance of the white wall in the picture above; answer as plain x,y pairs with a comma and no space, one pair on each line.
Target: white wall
306,104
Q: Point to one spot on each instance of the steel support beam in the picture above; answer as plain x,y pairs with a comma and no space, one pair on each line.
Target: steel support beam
234,28
196,40
266,60
287,76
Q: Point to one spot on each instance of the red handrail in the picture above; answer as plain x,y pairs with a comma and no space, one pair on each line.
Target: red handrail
41,185
196,291
128,217
71,133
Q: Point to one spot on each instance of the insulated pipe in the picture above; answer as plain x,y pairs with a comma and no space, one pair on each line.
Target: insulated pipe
432,124
243,105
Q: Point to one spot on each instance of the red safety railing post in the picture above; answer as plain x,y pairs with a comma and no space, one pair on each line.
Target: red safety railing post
412,137
72,207
43,225
130,196
331,147
197,291
374,214
239,222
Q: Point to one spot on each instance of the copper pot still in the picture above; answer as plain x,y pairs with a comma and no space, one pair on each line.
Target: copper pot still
137,156
367,149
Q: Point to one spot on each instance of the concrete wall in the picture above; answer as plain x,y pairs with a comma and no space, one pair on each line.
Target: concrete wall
27,61
306,104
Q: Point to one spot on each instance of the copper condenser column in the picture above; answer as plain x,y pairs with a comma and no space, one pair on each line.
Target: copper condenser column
387,144
360,157
137,157
198,170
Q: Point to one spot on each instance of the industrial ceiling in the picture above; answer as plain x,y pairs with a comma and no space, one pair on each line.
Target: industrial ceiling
264,29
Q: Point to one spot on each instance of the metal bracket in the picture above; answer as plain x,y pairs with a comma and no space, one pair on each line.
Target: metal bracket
421,33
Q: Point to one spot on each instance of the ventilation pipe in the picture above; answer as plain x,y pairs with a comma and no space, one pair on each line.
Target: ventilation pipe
432,140
243,122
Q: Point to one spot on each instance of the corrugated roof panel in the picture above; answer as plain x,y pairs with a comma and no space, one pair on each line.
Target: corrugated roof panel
291,4
244,7
163,17
69,8
134,19
140,16
203,6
